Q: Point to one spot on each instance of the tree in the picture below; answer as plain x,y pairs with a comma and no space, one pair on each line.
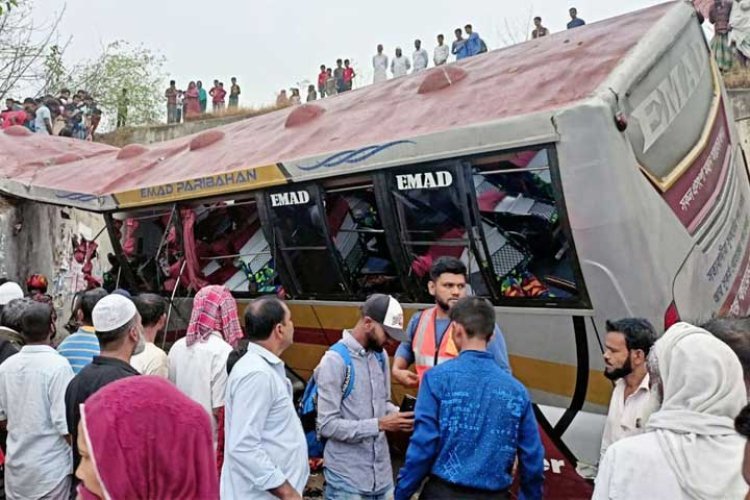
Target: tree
22,47
123,66
6,5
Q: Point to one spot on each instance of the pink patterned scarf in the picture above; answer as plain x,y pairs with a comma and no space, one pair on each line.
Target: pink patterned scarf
214,310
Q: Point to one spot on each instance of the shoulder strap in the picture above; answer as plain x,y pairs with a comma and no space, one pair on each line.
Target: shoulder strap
381,359
348,385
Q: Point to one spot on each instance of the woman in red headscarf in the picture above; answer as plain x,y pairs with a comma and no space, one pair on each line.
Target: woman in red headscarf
140,437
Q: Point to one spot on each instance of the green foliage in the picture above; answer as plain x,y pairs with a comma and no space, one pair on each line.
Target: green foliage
123,66
6,5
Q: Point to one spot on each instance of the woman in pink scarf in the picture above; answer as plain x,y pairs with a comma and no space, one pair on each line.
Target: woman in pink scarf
192,104
141,438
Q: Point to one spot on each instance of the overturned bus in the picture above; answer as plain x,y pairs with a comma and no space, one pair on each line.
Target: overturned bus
580,177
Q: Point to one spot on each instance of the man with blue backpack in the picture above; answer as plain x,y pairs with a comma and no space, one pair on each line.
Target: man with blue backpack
354,410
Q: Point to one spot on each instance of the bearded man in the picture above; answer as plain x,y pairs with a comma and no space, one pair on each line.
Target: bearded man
626,349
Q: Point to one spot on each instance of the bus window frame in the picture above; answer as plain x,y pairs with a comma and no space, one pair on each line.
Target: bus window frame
281,253
583,301
393,248
398,236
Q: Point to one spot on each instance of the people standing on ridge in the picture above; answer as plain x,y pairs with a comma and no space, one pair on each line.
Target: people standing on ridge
234,94
626,348
420,59
459,48
690,449
141,438
430,332
473,421
295,98
192,102
197,362
322,78
218,94
202,97
338,75
282,99
32,407
331,89
356,455
123,101
153,311
474,43
81,347
311,94
380,66
575,21
349,75
400,64
118,328
265,454
442,51
539,30
719,15
171,96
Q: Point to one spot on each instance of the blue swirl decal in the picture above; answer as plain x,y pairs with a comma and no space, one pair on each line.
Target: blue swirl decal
84,198
352,157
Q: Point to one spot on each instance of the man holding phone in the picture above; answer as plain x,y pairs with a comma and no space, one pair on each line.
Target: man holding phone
356,456
430,332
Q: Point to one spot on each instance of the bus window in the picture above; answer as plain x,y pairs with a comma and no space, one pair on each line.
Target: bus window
359,238
232,249
433,218
149,244
529,250
298,219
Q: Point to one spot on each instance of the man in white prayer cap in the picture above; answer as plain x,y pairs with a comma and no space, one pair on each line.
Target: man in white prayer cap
691,449
400,65
380,66
117,325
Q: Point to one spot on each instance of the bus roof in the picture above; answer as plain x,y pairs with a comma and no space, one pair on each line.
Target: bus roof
364,128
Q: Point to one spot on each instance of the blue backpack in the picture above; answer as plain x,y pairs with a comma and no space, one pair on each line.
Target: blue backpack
308,406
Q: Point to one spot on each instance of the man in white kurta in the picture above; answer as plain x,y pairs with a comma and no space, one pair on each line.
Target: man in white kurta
400,65
420,57
380,66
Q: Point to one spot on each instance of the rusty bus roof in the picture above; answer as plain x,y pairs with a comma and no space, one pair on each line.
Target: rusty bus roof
331,136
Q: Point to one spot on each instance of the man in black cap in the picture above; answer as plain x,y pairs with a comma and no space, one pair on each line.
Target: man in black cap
354,407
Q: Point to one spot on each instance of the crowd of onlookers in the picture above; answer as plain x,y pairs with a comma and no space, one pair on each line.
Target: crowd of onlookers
66,115
217,416
467,43
192,103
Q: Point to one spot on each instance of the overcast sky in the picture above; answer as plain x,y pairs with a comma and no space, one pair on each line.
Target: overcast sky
271,44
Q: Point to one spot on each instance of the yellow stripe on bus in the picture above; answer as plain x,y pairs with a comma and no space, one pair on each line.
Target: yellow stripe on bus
202,187
553,378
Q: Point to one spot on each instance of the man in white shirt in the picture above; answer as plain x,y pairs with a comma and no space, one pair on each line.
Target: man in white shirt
441,51
380,66
39,461
42,114
265,453
400,65
420,57
626,348
153,311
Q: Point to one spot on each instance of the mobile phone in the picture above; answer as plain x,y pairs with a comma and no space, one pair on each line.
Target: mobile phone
408,403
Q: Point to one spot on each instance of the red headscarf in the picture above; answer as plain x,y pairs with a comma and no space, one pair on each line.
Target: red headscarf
37,282
148,440
214,310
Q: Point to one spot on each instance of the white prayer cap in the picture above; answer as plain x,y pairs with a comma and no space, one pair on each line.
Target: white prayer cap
10,291
112,312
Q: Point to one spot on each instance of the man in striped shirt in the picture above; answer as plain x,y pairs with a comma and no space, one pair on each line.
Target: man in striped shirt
81,347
